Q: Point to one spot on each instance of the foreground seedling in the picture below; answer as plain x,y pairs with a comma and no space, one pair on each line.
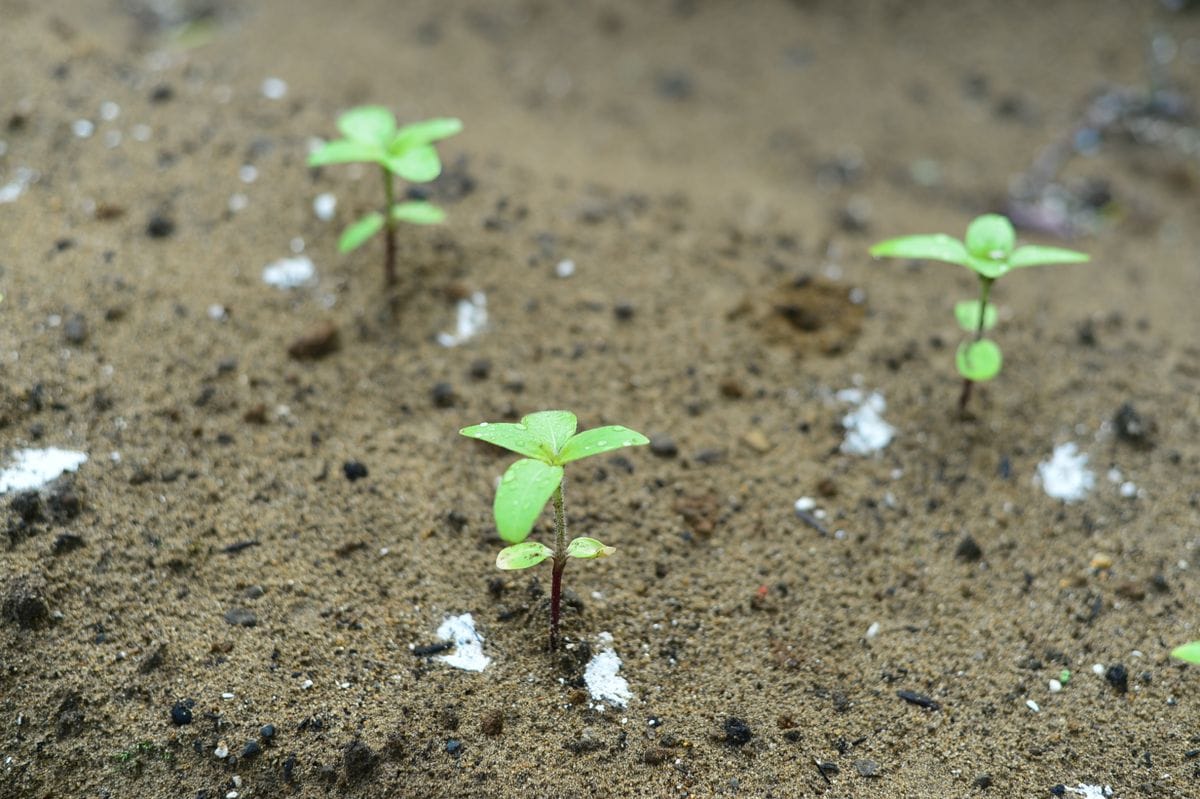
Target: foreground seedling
990,252
548,441
371,136
1189,653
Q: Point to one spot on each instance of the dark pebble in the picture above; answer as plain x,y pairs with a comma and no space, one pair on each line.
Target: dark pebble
737,732
481,369
656,756
1131,427
289,769
181,713
241,617
250,750
1059,790
317,342
267,731
159,227
63,501
866,768
983,781
454,747
706,457
354,470
161,93
828,769
920,700
968,550
624,311
67,542
663,446
75,329
443,395
1118,677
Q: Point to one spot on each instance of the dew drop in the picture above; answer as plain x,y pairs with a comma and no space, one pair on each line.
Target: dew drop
484,424
627,443
602,443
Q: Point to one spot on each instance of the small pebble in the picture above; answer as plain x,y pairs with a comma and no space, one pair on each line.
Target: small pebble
250,749
1118,677
1055,686
267,731
866,768
737,732
454,747
354,470
274,88
222,750
181,714
663,446
443,395
241,617
160,227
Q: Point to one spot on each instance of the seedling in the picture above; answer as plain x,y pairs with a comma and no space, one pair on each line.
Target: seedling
372,137
1188,652
548,441
990,252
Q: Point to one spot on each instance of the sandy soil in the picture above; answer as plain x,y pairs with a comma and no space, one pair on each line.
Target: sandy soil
715,171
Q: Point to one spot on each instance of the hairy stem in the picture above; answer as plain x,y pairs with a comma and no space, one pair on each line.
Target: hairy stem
560,563
985,288
389,230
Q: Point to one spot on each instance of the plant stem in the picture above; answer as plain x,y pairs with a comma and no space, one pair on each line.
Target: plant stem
985,288
389,231
560,563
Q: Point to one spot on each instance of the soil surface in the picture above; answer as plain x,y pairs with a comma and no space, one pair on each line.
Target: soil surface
212,581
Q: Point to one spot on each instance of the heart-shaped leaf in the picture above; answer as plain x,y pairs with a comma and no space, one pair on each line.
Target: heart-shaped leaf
1034,255
344,151
354,236
935,247
991,237
369,124
552,428
523,492
523,555
978,360
418,213
967,313
588,548
514,437
598,440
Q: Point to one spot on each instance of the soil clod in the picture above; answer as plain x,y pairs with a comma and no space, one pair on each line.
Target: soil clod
1118,677
359,760
25,602
354,470
317,342
737,731
241,617
968,550
181,712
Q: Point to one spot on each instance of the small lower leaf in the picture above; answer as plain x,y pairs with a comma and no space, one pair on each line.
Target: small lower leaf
418,213
588,548
356,235
1189,652
524,490
967,313
978,360
523,555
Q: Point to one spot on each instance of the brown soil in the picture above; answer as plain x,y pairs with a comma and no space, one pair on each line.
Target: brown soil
716,171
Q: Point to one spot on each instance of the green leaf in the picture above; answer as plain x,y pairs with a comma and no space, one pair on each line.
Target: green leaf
551,428
354,236
1189,652
991,237
418,164
514,437
967,313
424,132
523,492
523,555
1033,255
935,246
978,360
418,213
987,267
368,124
343,151
598,440
588,548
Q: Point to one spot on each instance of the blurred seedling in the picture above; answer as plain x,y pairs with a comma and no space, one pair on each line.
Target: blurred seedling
1189,653
372,137
548,441
990,252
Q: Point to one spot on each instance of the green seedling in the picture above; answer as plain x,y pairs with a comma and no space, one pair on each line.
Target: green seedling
548,441
372,137
990,252
1189,653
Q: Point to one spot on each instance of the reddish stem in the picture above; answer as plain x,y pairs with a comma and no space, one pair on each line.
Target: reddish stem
555,601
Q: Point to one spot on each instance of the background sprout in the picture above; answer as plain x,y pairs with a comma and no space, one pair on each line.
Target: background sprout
548,441
1188,652
371,136
990,252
